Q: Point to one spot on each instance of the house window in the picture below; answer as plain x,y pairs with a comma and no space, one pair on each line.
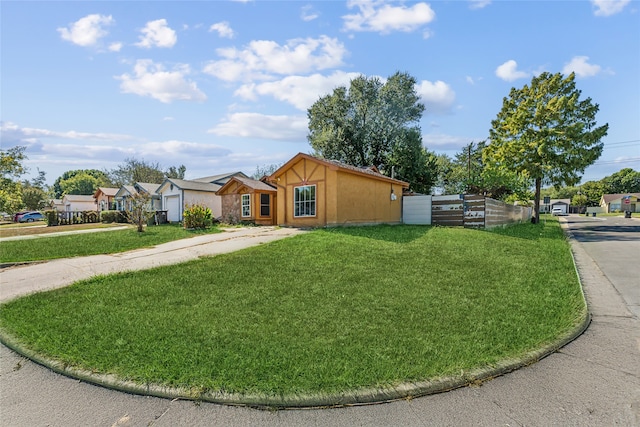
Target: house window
265,205
304,201
246,205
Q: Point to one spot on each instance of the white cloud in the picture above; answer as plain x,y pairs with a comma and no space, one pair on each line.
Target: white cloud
115,47
379,16
12,134
441,142
307,13
173,149
581,67
479,4
152,80
509,71
261,126
223,29
86,31
608,7
263,58
157,33
299,91
437,97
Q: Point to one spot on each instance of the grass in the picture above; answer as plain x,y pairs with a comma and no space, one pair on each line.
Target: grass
326,311
66,246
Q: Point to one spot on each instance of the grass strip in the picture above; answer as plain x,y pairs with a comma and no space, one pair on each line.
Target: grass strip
74,245
328,311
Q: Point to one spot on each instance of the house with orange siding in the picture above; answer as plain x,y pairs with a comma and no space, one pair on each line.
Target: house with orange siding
105,198
314,192
246,199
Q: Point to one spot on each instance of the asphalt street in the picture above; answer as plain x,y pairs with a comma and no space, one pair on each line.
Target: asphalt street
593,381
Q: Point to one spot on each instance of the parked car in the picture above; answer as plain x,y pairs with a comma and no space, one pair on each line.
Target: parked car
31,217
557,212
18,215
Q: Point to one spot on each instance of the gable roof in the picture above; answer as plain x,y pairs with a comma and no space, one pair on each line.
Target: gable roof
78,198
220,179
107,191
148,187
370,171
608,198
122,191
184,184
249,183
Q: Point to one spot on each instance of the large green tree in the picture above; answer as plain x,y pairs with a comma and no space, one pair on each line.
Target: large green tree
467,173
133,170
372,123
410,161
546,132
626,180
11,169
100,176
81,183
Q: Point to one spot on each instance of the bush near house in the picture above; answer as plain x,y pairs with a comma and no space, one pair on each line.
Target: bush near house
197,216
51,218
113,216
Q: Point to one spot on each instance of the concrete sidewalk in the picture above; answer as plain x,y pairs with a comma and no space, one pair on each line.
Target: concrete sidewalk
27,278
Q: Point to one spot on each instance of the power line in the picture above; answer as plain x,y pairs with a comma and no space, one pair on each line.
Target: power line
611,162
621,142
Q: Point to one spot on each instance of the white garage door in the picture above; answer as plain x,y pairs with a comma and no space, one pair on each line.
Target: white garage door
172,206
560,206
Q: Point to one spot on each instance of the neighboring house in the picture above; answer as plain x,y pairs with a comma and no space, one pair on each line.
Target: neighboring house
177,194
620,202
105,198
78,203
124,194
56,205
246,199
563,204
315,192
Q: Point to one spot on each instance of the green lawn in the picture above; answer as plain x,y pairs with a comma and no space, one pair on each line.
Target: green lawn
327,311
108,242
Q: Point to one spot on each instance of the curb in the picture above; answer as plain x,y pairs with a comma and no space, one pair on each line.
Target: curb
356,397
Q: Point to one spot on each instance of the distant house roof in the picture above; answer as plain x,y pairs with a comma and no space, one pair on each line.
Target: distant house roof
249,183
126,189
78,198
370,171
107,191
220,178
608,198
554,201
148,187
184,184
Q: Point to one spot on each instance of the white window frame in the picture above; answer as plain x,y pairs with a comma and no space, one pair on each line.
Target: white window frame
245,205
304,204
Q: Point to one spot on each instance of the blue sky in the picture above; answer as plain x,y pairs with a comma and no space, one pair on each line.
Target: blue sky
225,85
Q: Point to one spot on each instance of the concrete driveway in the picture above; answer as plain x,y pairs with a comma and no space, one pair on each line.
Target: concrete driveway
593,381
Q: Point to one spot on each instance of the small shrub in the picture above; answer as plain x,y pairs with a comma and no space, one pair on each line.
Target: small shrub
113,216
197,216
51,218
90,217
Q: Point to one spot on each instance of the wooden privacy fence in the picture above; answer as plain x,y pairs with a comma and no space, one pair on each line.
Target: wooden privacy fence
462,210
74,217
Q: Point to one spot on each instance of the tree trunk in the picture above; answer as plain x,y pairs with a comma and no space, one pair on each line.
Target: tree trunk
535,218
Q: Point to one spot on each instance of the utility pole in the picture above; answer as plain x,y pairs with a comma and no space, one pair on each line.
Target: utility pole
469,166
